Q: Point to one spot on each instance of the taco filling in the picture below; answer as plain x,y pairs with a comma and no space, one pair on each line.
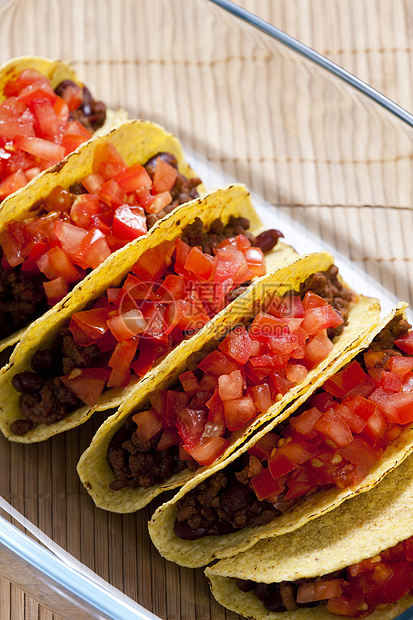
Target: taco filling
171,293
331,441
355,591
44,256
39,126
192,424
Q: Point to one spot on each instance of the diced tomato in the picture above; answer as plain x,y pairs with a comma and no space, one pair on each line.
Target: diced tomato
120,363
279,464
55,290
405,343
296,373
305,422
360,453
127,325
265,485
255,261
107,161
355,422
230,386
312,300
322,400
93,183
92,250
92,322
199,264
133,178
264,446
216,364
333,426
148,424
391,381
13,182
169,437
401,365
317,348
238,412
351,378
83,209
208,449
237,345
55,263
87,383
41,148
319,318
299,451
261,396
164,177
30,264
69,236
189,382
190,424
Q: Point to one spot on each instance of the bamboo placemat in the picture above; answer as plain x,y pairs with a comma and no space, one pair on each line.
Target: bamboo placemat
345,176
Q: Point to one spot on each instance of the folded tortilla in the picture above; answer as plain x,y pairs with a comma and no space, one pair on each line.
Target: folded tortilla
137,141
56,71
222,203
93,468
204,550
357,530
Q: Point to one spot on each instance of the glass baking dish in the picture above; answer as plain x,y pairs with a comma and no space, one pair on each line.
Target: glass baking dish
328,161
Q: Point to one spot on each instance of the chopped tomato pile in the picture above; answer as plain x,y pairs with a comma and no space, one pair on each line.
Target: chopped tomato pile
380,580
248,372
343,431
76,233
172,292
35,129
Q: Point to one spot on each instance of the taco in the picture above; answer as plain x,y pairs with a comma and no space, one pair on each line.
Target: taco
73,216
337,440
94,346
194,414
356,561
45,114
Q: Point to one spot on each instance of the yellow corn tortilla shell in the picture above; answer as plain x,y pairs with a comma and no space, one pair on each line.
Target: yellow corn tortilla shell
222,203
137,141
204,550
93,469
56,71
357,530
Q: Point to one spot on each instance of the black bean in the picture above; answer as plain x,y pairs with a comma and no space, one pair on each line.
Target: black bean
60,88
27,382
235,497
245,585
21,427
273,600
43,360
268,239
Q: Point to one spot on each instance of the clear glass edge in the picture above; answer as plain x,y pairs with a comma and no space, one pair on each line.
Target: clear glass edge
43,560
316,58
47,562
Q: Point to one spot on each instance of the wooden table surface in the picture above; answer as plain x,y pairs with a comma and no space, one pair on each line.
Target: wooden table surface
372,39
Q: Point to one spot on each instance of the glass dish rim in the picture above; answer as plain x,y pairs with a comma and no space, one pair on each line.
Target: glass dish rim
44,560
317,58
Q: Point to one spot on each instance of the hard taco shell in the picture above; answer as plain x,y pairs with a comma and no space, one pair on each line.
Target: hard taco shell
357,530
93,468
204,550
137,141
221,203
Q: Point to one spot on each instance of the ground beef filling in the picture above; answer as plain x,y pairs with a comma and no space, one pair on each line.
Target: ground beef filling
139,464
22,296
122,452
279,597
44,398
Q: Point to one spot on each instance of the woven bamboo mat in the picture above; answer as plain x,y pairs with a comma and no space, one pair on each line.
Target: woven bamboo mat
337,166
